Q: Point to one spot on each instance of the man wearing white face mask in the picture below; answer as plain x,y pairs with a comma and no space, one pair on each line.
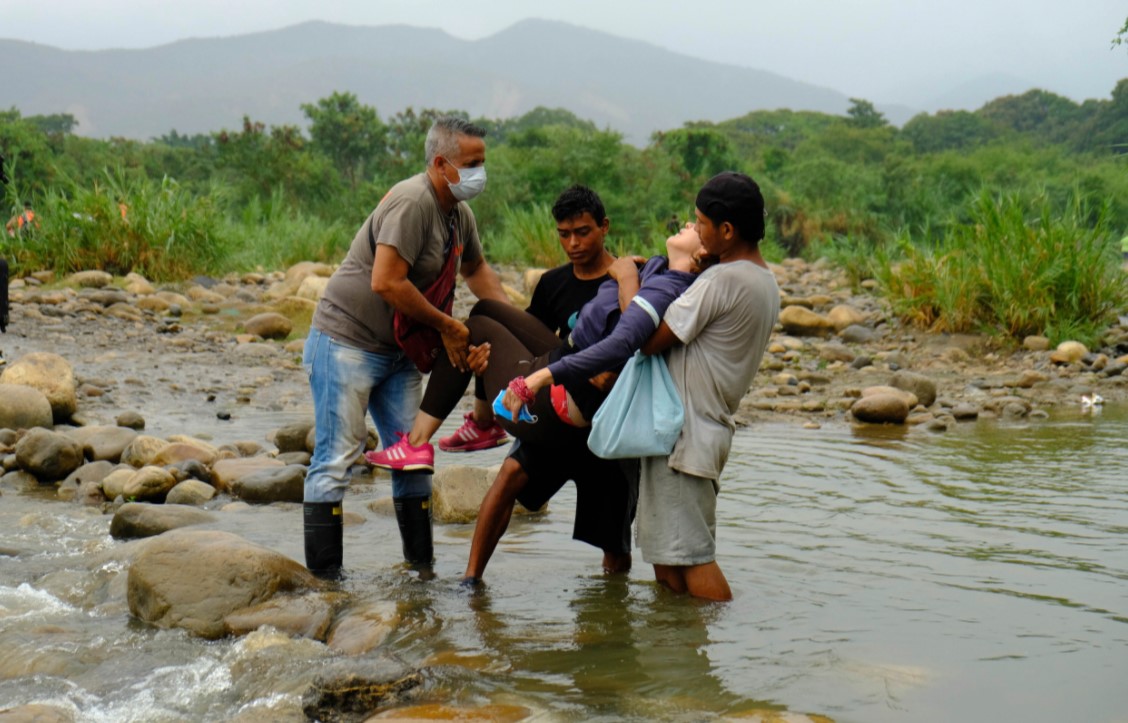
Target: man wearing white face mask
385,315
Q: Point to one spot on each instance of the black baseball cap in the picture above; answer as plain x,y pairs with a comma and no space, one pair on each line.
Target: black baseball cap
734,197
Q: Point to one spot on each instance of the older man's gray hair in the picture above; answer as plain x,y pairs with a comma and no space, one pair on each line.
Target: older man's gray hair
442,139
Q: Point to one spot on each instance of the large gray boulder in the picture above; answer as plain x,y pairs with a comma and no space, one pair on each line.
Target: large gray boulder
138,519
274,484
193,579
24,407
103,442
50,374
48,455
885,408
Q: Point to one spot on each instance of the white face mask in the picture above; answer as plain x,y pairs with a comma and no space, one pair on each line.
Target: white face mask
471,182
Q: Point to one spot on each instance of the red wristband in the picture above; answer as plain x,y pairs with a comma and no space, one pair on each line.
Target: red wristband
521,390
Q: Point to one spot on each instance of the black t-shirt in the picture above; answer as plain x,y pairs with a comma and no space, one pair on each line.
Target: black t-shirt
559,296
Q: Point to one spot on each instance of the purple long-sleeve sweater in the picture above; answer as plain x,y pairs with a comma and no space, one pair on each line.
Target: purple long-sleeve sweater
603,339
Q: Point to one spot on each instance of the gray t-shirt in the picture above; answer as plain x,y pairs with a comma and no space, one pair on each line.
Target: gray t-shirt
724,321
410,220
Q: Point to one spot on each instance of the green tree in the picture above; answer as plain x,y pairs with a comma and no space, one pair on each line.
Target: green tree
948,130
864,115
348,132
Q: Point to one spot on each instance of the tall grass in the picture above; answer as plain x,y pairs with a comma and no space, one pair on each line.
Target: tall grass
527,237
272,234
1015,268
164,233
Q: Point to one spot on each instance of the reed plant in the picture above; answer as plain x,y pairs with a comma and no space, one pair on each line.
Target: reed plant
155,228
1016,268
273,234
527,238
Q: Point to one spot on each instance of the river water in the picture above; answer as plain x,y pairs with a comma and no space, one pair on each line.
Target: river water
880,574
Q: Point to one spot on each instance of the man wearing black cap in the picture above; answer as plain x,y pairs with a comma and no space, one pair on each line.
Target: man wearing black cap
715,334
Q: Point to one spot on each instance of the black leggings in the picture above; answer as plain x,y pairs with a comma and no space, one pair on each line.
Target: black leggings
519,345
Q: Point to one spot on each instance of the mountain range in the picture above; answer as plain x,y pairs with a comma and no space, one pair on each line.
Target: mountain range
208,84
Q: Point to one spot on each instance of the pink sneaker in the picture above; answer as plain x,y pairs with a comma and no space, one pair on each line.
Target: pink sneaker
402,456
470,437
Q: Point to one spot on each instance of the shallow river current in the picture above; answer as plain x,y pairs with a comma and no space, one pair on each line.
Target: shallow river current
880,574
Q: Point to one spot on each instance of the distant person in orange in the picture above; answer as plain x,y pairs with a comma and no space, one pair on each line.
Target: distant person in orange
23,222
123,209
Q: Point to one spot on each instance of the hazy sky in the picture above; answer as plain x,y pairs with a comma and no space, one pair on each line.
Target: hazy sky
885,50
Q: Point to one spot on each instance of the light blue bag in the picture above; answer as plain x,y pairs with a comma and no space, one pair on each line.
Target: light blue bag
643,414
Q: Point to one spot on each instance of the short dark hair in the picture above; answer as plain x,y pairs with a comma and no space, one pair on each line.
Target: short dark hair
575,200
735,198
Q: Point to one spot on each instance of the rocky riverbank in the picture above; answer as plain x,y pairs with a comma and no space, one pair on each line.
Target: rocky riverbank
167,407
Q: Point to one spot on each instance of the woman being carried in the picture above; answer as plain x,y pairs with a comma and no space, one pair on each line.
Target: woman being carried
552,378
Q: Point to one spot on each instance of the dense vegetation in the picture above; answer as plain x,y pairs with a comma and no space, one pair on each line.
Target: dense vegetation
1007,218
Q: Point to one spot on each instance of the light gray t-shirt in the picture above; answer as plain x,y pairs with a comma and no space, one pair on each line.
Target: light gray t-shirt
724,321
410,220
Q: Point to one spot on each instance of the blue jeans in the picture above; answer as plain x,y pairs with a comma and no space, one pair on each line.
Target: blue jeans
346,381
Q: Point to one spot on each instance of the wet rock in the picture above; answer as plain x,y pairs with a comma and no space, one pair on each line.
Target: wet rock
139,519
131,420
36,713
277,484
48,455
226,472
801,321
19,480
1069,352
90,279
149,483
113,484
193,579
192,469
884,408
179,452
920,385
292,437
843,316
303,458
50,374
965,411
103,442
23,407
306,616
458,490
348,691
92,472
190,492
141,450
910,398
363,628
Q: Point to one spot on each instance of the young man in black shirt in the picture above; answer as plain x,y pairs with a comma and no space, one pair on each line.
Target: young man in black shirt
533,473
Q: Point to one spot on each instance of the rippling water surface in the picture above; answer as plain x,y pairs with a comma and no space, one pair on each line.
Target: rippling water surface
880,575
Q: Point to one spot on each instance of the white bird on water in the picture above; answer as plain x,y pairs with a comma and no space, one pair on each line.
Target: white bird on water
1091,401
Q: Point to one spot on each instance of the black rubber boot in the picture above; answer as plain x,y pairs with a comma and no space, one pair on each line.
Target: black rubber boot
414,517
323,547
